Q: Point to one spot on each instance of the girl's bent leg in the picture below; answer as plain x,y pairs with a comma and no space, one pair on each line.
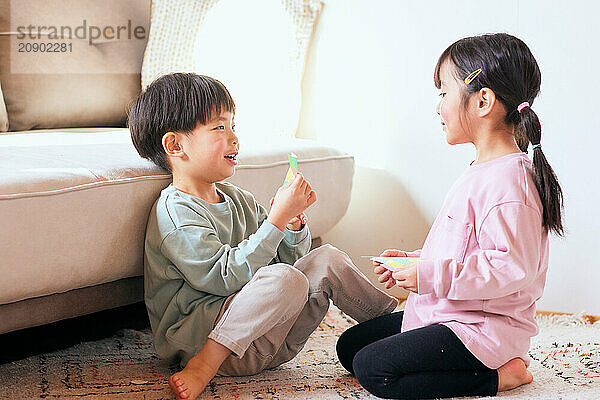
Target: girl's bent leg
365,333
425,363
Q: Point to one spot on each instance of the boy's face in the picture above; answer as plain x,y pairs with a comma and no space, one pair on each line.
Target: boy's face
212,149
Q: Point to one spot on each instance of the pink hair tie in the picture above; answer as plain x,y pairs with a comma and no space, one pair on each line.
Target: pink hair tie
522,106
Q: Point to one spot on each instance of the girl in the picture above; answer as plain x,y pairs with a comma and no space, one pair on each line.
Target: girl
470,314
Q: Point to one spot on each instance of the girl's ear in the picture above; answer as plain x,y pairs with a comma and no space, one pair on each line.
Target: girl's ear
172,145
486,100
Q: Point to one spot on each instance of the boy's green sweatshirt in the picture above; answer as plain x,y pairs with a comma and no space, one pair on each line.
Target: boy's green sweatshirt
198,253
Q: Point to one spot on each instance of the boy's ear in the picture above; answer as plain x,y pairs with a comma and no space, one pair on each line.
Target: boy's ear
172,145
486,100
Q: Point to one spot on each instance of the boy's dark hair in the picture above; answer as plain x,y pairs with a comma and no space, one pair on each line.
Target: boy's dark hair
174,103
512,73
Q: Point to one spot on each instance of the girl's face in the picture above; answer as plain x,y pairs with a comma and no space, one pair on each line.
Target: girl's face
450,108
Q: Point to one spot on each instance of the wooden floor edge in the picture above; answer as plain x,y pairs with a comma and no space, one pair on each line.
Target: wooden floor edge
589,318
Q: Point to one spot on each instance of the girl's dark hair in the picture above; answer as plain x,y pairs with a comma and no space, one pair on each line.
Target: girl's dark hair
174,103
511,72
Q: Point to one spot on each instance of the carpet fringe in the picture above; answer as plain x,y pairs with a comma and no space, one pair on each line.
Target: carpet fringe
577,319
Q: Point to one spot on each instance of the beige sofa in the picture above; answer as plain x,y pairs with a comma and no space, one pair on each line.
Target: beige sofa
74,194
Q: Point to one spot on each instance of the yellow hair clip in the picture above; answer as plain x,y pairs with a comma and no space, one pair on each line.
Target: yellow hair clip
472,76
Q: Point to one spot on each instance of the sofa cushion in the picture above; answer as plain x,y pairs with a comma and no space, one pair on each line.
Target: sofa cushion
74,203
90,83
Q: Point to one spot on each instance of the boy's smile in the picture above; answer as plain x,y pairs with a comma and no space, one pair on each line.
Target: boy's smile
232,158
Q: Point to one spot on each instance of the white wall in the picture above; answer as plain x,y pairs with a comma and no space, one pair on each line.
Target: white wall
369,89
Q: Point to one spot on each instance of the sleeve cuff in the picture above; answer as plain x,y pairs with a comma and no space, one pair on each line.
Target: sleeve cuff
415,253
425,276
269,235
296,237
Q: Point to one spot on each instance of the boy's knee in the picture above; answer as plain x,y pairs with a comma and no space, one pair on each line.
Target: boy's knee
326,256
330,262
289,280
329,251
295,283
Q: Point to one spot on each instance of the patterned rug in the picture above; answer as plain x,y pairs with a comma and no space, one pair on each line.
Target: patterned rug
571,349
566,365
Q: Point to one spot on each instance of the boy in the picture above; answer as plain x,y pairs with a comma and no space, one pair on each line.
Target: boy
229,288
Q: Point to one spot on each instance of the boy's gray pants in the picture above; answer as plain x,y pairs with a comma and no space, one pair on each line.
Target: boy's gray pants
270,319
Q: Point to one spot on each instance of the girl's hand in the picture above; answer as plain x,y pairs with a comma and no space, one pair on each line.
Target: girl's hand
406,278
386,275
291,200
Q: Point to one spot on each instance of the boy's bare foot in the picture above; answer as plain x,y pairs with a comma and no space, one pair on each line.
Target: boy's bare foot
199,370
513,374
189,383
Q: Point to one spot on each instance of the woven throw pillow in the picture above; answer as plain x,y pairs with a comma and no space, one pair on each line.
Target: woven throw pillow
88,82
256,48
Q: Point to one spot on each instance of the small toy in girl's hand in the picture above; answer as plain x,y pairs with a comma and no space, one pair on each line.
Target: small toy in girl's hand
293,159
393,263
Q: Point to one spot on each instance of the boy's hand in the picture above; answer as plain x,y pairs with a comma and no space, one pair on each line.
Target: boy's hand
291,200
296,223
386,275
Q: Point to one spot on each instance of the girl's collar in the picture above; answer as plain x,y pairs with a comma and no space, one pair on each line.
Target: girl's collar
497,159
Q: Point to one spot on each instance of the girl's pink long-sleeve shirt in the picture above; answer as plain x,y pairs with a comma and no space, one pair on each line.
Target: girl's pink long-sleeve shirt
484,262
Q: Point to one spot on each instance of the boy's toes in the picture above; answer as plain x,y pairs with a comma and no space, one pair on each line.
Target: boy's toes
186,385
181,389
177,385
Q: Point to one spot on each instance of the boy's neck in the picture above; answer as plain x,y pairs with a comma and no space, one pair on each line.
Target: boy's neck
204,190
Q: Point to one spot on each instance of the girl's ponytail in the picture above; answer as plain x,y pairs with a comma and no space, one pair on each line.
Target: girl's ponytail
543,175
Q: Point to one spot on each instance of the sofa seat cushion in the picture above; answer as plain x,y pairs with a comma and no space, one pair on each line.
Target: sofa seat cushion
74,203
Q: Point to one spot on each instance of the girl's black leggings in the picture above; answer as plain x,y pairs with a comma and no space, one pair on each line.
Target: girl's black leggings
425,363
